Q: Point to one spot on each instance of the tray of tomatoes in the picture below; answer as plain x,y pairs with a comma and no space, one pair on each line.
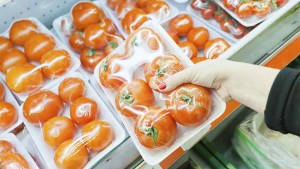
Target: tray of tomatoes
195,38
9,108
129,15
157,122
69,122
13,154
250,12
77,33
36,58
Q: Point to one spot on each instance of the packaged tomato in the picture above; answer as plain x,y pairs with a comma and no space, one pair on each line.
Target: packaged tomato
69,121
129,15
37,60
13,154
158,123
90,32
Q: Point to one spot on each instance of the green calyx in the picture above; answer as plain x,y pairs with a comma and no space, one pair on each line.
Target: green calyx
91,52
113,44
81,34
186,98
133,42
274,5
153,133
127,98
160,71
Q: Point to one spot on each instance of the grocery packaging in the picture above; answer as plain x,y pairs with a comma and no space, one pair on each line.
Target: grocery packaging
129,15
78,38
13,155
70,122
38,59
130,76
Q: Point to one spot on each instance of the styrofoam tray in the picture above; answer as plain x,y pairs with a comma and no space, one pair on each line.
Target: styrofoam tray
59,45
197,23
184,134
11,99
19,149
112,13
47,152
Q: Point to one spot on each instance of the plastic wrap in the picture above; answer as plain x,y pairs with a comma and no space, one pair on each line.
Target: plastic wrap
13,155
37,60
261,147
78,33
129,15
131,77
69,122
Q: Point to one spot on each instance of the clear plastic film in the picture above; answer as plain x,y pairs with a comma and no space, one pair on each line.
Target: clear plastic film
69,122
36,60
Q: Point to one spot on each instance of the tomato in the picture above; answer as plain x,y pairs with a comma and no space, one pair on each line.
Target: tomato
141,3
71,89
36,46
108,25
13,160
174,36
95,36
71,154
42,106
189,49
5,147
112,3
244,9
220,15
261,9
198,36
5,44
10,58
97,135
90,58
84,110
22,30
76,41
107,72
239,31
198,59
133,20
155,128
57,130
124,7
134,97
25,78
2,92
226,25
198,4
55,63
213,48
160,68
181,24
229,4
189,104
159,7
8,115
114,42
85,14
280,3
208,12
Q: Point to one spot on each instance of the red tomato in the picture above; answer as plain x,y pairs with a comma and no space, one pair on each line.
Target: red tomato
112,3
71,154
5,147
157,6
90,58
141,3
226,25
10,58
25,78
261,9
8,115
21,31
239,31
189,49
57,130
213,48
5,44
114,42
229,4
42,106
71,89
174,36
2,92
134,97
97,135
208,12
198,59
156,128
95,36
198,36
36,46
85,14
244,9
133,20
181,24
280,3
108,25
84,110
124,7
13,160
189,104
76,41
55,63
160,68
220,15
